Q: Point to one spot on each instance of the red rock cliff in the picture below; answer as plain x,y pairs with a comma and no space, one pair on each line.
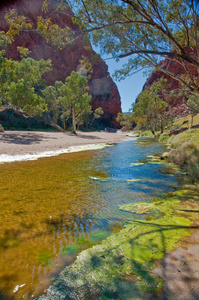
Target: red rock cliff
104,91
177,104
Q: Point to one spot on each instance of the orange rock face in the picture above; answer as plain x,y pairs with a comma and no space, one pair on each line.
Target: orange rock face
102,88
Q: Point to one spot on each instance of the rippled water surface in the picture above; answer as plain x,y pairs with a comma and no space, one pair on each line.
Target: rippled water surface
52,208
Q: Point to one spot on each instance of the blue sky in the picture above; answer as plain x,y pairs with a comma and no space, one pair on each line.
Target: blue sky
128,88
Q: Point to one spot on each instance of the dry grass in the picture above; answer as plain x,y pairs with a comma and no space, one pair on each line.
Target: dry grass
187,118
185,152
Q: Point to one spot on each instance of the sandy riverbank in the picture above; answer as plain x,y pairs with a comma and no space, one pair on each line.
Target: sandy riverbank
23,145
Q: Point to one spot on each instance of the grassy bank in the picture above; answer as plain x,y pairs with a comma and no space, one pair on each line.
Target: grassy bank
185,153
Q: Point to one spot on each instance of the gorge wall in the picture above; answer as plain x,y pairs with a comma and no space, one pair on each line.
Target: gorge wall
102,88
177,104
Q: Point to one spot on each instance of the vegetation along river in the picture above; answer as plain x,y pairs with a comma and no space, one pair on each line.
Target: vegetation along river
53,208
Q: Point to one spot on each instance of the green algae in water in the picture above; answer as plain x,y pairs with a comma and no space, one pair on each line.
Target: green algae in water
69,250
45,258
98,236
104,268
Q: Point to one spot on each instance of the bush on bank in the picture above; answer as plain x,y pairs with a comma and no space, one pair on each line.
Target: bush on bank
184,150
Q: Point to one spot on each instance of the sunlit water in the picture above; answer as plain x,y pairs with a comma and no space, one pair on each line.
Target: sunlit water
52,208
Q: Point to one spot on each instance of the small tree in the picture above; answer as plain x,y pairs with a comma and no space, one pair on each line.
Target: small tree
193,104
51,96
150,110
75,99
125,120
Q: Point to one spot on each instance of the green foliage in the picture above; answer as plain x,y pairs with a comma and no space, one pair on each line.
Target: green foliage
145,31
45,5
23,51
74,99
52,33
51,96
18,82
15,24
125,120
163,138
4,41
150,110
187,157
98,113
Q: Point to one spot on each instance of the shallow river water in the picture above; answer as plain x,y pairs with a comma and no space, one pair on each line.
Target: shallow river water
53,208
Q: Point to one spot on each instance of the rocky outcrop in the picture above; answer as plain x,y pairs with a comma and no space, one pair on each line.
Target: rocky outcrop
103,90
177,104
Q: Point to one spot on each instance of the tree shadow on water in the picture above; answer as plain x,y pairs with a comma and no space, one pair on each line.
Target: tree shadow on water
99,272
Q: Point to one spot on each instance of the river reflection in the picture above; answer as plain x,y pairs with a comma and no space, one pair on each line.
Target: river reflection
52,208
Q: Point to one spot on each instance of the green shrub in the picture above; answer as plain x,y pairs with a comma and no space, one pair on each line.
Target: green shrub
187,157
164,137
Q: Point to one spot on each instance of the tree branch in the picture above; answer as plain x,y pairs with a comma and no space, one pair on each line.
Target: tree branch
162,53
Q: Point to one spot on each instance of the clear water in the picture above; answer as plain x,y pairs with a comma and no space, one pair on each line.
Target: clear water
52,208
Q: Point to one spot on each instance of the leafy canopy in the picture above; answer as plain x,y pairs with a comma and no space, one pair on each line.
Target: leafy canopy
20,80
145,31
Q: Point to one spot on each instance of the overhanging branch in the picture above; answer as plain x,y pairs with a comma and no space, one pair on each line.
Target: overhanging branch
162,53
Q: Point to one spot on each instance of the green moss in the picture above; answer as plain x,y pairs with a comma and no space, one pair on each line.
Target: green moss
139,207
103,268
69,250
82,240
44,258
98,236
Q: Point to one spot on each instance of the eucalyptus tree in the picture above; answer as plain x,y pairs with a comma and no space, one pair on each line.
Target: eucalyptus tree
145,31
51,96
126,120
150,110
74,99
21,80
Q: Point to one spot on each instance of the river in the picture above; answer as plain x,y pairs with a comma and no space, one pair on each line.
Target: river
53,208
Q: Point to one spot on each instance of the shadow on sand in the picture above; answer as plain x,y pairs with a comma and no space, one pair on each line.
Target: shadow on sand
24,138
